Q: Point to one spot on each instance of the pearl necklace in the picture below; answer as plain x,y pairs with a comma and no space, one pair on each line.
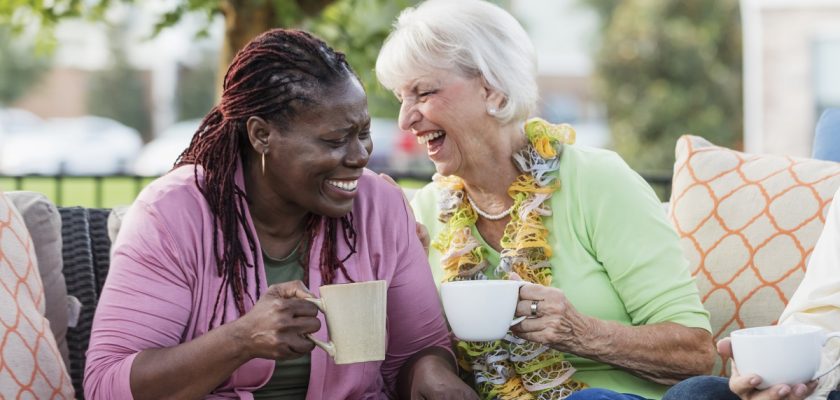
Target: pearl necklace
492,217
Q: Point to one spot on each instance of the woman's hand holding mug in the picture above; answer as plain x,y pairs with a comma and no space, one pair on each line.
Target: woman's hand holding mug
277,326
751,386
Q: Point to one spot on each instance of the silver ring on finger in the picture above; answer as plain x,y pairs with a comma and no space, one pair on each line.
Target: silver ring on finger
534,308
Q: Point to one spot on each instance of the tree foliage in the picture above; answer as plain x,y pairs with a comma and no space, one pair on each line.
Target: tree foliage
667,68
23,15
356,27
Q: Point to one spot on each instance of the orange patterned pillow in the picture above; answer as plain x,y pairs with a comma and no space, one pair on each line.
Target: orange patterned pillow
30,364
747,224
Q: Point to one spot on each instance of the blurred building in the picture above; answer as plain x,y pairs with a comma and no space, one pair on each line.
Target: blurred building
791,71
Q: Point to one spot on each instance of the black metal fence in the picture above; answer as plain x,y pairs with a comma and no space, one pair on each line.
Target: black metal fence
63,189
112,190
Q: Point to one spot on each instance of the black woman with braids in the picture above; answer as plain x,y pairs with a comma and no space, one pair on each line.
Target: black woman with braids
204,297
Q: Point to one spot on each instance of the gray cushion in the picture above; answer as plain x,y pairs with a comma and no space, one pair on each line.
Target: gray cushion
44,225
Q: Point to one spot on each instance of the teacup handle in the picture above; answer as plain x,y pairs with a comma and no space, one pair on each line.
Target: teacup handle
522,318
329,347
836,364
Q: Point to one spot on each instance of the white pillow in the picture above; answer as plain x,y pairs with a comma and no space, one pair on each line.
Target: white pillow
30,363
747,223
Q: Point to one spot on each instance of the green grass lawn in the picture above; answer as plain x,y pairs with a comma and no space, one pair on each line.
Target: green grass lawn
115,191
412,183
72,191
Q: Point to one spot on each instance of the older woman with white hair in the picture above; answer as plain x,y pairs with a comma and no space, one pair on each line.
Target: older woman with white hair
615,313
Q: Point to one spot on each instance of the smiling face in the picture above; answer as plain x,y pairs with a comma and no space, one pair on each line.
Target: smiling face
448,114
314,162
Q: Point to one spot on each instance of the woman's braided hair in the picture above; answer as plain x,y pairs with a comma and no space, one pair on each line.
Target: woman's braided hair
272,77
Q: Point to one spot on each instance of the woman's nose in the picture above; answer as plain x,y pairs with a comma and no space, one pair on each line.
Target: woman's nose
409,115
358,154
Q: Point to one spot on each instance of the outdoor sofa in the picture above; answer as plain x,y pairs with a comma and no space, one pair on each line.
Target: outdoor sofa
747,224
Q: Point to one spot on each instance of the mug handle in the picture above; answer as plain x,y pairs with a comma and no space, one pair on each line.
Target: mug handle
820,374
522,318
329,347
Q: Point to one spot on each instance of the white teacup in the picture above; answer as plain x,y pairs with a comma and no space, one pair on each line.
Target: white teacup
480,310
355,314
788,354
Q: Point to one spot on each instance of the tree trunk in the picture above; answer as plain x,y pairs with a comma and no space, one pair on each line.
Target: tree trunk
245,20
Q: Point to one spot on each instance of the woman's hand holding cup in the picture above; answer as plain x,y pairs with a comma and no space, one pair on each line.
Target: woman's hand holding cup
746,386
551,317
276,327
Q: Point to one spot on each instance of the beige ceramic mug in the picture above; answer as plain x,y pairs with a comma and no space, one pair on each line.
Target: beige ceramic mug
355,315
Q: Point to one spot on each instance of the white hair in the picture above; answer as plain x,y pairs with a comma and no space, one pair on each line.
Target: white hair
471,37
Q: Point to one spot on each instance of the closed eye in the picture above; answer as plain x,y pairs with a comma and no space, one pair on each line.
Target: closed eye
337,142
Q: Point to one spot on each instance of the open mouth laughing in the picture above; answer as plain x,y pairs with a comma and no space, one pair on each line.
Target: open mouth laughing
345,185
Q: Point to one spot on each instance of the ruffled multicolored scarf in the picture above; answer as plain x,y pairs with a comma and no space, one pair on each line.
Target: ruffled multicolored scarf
511,368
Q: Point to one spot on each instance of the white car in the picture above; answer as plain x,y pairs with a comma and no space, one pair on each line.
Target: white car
158,156
383,134
397,152
16,120
86,145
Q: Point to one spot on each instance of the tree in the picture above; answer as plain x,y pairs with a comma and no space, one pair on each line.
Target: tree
356,27
666,68
244,19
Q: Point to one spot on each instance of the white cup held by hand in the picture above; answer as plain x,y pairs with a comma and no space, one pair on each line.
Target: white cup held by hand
355,315
480,310
784,354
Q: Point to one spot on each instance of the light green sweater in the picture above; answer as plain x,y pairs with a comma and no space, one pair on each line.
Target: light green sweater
615,255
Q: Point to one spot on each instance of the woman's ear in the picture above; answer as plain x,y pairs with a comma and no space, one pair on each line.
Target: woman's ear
494,99
258,132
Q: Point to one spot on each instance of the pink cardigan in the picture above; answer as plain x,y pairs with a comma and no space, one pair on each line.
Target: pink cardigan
162,285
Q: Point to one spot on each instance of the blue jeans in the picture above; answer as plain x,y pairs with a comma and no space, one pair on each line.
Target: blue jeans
701,388
602,394
827,136
710,388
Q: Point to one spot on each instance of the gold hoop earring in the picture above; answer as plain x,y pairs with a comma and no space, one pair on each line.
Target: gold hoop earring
263,161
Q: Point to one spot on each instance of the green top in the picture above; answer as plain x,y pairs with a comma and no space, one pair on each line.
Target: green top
291,377
615,255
